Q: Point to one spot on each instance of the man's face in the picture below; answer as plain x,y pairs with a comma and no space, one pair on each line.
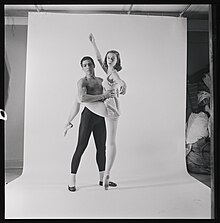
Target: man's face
88,67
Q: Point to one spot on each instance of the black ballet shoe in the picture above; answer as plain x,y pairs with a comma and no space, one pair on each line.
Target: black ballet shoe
72,189
111,184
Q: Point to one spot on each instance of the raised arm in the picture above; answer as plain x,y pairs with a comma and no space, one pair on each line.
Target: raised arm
84,97
98,54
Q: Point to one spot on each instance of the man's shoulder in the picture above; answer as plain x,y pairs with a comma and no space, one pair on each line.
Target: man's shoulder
81,81
84,81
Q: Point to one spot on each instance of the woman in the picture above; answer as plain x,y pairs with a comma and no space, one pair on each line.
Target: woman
110,108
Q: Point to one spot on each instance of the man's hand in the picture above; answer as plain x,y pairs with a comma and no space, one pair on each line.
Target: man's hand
67,127
91,38
109,94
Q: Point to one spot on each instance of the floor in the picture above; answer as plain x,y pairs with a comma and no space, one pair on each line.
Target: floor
204,178
175,196
14,173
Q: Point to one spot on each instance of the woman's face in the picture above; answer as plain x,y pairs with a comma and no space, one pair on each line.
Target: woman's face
111,59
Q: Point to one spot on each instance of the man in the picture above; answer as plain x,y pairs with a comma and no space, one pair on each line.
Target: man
90,90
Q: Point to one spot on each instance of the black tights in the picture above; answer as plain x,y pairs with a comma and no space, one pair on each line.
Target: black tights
90,122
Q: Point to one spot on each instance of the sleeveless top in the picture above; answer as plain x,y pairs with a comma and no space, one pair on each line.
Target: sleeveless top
112,104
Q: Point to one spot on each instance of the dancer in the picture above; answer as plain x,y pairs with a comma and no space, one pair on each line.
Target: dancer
110,108
89,90
111,66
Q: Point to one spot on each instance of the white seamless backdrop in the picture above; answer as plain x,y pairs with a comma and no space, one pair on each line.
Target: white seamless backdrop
150,137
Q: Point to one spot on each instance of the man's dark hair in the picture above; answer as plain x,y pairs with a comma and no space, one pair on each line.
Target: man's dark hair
87,58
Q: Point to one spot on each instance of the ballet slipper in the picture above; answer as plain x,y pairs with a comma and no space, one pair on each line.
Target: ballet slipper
111,184
72,189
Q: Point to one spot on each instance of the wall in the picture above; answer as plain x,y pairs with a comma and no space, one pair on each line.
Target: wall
53,69
198,51
15,45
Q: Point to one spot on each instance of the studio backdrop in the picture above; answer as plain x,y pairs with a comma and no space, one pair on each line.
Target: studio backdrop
150,165
150,136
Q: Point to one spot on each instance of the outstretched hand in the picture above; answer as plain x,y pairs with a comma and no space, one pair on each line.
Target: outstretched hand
91,38
67,127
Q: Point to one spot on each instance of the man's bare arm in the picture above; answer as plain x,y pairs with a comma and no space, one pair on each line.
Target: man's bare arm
84,97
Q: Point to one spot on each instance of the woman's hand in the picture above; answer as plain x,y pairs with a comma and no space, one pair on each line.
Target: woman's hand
123,89
67,127
91,38
122,84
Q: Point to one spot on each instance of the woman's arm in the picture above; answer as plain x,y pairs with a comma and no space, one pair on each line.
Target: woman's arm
98,54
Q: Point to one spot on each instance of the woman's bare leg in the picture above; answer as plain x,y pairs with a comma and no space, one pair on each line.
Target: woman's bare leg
111,125
112,106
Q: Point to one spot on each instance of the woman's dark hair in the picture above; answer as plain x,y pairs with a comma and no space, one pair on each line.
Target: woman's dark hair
87,58
117,66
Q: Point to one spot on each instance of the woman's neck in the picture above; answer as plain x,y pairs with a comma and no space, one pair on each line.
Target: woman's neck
110,70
